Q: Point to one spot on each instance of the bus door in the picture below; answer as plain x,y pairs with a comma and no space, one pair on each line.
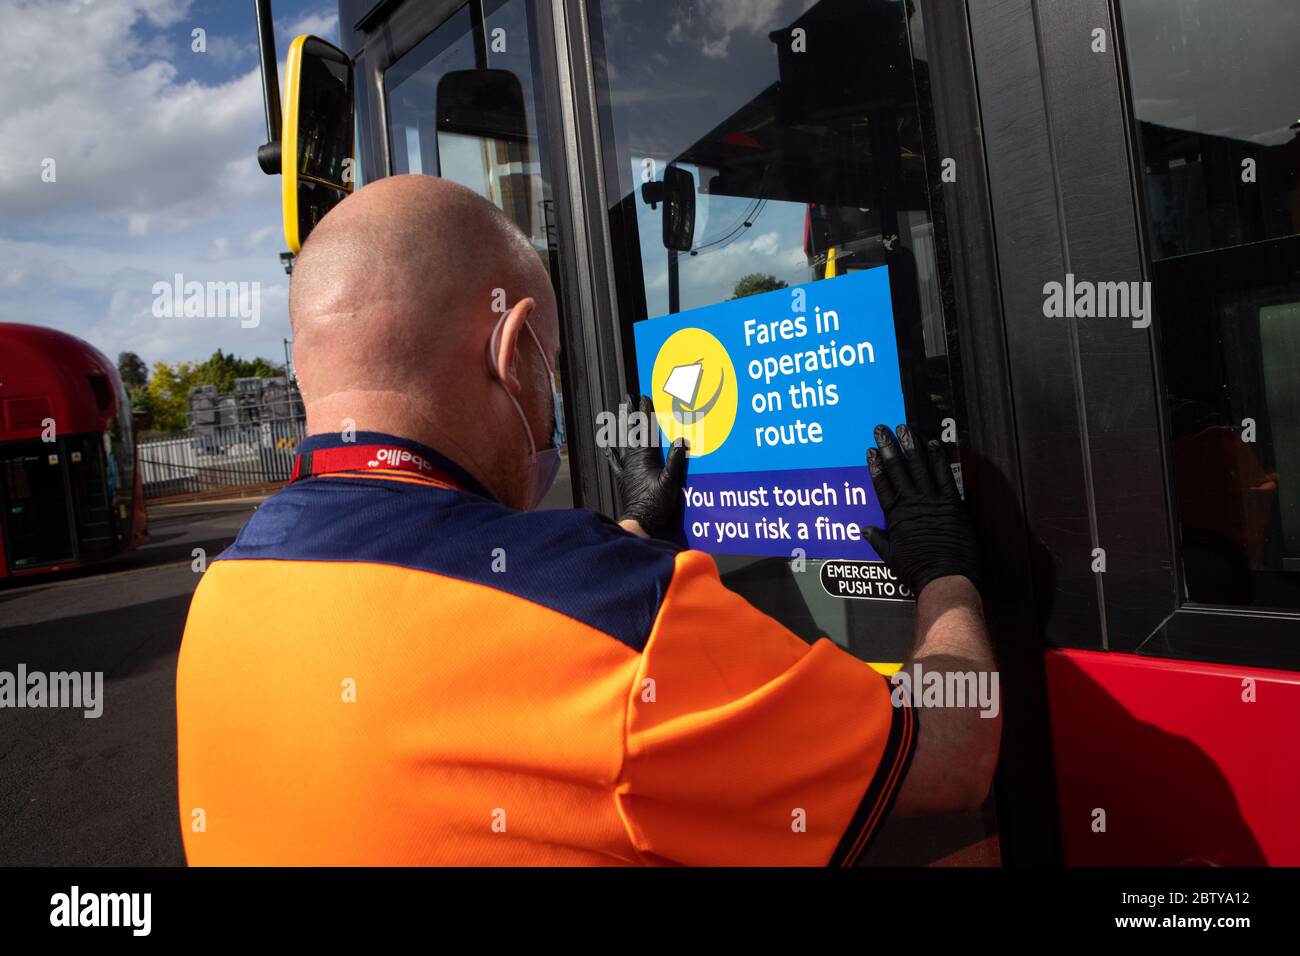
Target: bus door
93,503
37,525
1149,150
775,236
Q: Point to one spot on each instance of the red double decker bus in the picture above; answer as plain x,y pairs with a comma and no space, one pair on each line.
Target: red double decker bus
70,491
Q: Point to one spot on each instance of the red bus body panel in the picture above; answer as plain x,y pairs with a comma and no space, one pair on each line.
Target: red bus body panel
1191,763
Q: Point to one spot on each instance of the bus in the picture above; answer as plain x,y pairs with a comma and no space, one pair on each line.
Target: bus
70,492
1085,218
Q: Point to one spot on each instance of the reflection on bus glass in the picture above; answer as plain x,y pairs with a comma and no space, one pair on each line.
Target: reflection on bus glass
802,167
470,114
797,161
748,157
314,201
325,119
1220,151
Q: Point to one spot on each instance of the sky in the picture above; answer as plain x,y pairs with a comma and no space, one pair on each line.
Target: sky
154,150
152,145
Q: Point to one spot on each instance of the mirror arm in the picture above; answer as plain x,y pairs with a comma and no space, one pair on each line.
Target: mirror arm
268,154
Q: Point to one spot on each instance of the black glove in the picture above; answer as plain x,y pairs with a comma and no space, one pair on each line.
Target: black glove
652,495
929,534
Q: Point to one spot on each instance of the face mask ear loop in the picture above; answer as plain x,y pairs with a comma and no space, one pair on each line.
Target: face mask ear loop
492,348
496,373
557,424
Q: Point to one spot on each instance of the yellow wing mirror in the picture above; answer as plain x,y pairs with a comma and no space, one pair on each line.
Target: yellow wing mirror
317,164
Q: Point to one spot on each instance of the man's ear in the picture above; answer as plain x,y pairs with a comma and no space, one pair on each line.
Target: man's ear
503,348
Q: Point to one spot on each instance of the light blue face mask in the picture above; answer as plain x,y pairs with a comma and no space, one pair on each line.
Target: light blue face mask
543,463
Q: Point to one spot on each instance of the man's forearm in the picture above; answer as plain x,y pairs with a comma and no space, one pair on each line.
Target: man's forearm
950,622
957,749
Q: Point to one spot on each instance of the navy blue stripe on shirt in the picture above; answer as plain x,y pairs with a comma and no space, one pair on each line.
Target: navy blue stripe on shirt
575,562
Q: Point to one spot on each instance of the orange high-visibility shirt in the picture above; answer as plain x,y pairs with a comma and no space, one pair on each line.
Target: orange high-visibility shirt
389,669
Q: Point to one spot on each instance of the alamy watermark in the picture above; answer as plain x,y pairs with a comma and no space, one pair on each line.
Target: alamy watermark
179,299
129,910
917,687
1082,299
627,428
82,690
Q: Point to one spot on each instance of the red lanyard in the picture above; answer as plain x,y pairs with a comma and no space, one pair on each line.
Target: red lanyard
366,458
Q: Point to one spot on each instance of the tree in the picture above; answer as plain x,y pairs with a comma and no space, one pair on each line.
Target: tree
142,409
132,370
135,379
168,393
757,282
221,370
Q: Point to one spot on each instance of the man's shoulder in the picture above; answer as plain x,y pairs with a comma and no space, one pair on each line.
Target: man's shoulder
573,561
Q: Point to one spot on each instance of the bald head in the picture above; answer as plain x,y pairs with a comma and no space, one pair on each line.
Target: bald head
393,300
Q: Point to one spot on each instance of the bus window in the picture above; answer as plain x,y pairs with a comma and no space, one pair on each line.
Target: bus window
800,130
411,90
506,168
795,175
498,170
1213,98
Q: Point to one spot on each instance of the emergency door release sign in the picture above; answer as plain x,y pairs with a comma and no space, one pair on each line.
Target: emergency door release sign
777,395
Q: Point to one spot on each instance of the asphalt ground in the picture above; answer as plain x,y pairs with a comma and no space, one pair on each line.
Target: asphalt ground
102,791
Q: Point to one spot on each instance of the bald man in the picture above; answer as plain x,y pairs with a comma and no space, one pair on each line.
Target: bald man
399,661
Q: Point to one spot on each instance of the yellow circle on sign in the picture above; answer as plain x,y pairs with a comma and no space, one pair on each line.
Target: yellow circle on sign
694,390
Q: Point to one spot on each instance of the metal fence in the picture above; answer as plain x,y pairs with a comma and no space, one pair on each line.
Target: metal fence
208,456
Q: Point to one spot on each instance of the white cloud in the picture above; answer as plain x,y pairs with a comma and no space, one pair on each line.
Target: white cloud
155,175
263,237
323,23
766,244
130,141
106,296
131,309
711,275
710,24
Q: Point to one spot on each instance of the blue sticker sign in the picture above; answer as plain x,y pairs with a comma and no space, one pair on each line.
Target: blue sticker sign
776,395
